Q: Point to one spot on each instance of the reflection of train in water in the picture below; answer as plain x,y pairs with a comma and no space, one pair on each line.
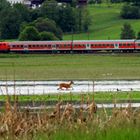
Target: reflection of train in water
83,46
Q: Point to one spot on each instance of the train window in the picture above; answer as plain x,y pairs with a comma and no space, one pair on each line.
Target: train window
124,44
138,44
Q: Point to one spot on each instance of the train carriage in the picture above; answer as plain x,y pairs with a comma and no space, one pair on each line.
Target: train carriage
40,46
104,45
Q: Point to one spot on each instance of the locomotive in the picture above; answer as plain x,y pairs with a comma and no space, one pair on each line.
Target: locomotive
75,46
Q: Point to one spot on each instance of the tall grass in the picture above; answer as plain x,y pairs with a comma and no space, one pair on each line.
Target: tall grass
66,122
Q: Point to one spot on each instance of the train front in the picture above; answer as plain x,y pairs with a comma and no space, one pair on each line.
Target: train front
4,47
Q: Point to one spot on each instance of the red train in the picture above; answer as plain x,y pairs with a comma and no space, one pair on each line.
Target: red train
83,46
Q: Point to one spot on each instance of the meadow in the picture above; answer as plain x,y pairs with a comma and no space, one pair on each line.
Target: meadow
67,67
106,23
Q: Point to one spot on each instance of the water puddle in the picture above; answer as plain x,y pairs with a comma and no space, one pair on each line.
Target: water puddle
50,87
118,105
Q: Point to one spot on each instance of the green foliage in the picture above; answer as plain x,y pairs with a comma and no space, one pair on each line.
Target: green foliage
29,33
47,36
68,17
130,12
45,25
10,24
4,4
95,1
24,11
134,2
49,9
138,35
127,32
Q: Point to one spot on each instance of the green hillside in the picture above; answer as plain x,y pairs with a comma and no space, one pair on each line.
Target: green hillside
106,23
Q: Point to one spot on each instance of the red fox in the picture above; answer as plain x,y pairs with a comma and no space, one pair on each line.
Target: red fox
65,85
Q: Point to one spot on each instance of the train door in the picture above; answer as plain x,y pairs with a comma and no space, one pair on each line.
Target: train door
54,50
25,48
116,45
88,46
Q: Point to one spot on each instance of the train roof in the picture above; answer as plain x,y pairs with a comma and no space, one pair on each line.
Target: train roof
69,41
132,40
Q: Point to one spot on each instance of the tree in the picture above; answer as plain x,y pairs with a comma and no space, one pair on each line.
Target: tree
47,36
4,4
45,24
67,18
138,35
46,9
5,8
127,32
30,33
134,2
10,24
130,12
24,11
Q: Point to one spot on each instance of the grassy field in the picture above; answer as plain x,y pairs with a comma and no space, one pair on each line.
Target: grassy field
106,23
99,97
66,67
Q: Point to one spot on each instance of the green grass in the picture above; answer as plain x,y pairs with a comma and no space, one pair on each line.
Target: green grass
66,67
106,23
131,133
120,129
99,97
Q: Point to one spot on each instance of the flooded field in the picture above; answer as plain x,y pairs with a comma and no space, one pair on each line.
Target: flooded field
51,87
109,105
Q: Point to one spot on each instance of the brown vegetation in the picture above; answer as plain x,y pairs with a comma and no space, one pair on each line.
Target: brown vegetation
17,122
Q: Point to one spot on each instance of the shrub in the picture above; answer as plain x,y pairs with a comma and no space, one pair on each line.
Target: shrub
29,33
130,12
